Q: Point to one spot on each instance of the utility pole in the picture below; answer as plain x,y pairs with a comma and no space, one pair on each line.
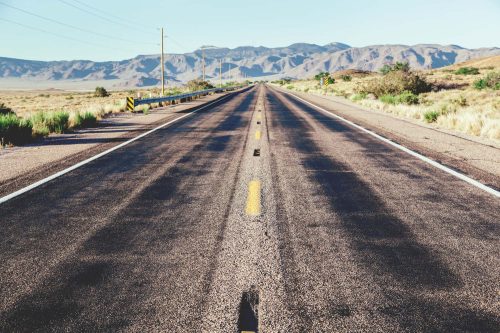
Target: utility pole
162,67
220,73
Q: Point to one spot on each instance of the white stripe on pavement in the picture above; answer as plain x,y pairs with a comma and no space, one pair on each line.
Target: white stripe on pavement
95,157
406,150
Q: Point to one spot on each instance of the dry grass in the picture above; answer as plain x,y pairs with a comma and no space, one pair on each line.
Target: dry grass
27,103
457,105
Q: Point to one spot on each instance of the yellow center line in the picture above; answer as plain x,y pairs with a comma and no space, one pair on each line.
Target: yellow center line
257,135
259,117
253,198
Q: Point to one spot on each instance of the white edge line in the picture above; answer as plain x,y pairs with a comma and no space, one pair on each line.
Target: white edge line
406,150
95,157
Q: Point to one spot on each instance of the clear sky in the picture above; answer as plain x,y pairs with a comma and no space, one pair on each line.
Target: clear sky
122,29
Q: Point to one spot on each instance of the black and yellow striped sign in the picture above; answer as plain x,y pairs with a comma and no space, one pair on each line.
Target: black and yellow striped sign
130,104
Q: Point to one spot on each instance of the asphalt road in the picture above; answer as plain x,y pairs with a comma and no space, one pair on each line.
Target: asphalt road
190,229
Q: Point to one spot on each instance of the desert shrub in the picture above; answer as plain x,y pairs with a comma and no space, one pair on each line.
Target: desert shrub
461,101
346,78
145,108
330,80
85,119
100,92
289,87
88,119
14,130
197,84
491,80
50,122
480,84
5,110
396,83
397,67
431,116
321,75
404,98
359,97
388,99
467,71
306,90
407,97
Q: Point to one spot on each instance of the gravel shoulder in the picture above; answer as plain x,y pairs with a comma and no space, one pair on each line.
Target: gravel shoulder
479,158
23,165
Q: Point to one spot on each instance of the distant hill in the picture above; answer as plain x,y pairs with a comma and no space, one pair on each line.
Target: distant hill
297,61
479,63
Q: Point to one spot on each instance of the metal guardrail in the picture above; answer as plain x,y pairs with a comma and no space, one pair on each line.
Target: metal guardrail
132,102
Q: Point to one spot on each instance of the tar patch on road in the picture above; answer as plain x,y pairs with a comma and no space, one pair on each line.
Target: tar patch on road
248,320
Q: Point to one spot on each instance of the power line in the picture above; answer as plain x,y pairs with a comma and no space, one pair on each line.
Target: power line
112,21
62,36
74,27
107,13
99,16
176,42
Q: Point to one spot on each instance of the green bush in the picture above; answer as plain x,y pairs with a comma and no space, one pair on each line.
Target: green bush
197,84
50,122
359,97
346,78
492,80
14,130
467,71
87,119
289,87
397,67
431,116
321,75
404,98
407,97
330,80
388,99
101,92
480,84
396,83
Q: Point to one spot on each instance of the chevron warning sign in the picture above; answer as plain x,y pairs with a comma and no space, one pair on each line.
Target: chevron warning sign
130,104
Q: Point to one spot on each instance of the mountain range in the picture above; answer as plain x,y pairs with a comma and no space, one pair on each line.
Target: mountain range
299,60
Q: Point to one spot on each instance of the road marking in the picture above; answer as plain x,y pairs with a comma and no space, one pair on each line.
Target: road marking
95,157
259,117
257,135
253,198
406,150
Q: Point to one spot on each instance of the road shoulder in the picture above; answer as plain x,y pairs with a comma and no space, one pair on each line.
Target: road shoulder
23,165
479,159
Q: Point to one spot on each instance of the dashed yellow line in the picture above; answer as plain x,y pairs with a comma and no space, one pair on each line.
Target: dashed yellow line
257,135
259,117
253,198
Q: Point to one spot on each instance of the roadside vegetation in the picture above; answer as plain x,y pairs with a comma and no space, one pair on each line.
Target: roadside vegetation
27,115
197,84
464,97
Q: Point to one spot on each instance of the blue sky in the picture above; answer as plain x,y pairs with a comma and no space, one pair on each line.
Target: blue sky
131,28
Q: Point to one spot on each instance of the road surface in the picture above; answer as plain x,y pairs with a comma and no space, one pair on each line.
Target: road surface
258,213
